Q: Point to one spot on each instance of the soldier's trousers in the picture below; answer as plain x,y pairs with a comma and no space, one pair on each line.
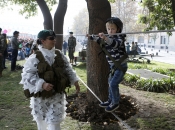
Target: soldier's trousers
13,59
71,53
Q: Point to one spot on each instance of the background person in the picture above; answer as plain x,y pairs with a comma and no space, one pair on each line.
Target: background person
45,76
5,53
71,46
21,54
133,49
15,45
27,50
64,48
127,48
1,52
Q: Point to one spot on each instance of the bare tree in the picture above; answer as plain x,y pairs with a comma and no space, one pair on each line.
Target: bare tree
82,18
59,22
127,11
29,8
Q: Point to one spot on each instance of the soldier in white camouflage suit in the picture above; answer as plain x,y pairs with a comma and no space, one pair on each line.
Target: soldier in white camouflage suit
45,76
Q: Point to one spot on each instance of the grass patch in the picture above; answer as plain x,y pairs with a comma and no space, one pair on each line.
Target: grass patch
15,111
14,106
153,64
157,123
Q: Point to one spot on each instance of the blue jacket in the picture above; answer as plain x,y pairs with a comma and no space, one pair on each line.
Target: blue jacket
65,45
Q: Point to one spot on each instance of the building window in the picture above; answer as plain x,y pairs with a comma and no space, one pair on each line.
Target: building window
141,39
151,40
163,40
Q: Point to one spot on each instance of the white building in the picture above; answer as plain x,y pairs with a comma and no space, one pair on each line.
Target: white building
160,41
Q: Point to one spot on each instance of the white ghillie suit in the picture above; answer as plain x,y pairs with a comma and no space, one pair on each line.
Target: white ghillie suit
48,112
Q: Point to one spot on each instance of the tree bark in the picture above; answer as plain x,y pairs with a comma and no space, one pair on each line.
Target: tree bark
48,23
173,10
97,66
59,22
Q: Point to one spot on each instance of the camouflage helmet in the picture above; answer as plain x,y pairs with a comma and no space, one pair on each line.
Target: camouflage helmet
117,22
45,33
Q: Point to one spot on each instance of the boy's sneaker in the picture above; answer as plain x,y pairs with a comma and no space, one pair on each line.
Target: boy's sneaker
112,107
105,104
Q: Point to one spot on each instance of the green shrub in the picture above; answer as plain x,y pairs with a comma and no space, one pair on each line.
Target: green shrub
151,85
164,71
131,78
137,66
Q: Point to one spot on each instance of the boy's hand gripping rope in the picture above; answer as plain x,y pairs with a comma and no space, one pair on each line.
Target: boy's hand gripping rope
120,120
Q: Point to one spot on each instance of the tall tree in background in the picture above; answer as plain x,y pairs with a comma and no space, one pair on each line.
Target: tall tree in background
158,13
29,8
127,11
173,10
81,22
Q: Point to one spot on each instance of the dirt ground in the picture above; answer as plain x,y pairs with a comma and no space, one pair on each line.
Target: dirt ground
155,112
139,109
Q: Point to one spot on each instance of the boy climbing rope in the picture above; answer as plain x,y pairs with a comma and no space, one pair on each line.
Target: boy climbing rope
114,48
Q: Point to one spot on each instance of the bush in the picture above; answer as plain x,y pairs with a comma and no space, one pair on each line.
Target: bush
151,85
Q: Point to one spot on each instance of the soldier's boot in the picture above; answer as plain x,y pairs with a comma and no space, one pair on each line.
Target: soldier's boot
71,61
75,60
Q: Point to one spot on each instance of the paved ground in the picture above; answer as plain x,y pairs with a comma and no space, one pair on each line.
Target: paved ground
146,74
162,56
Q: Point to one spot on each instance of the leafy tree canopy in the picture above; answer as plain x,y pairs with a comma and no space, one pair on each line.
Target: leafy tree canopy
28,7
157,13
112,1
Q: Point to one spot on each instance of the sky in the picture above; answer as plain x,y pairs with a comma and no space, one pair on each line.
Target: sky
11,20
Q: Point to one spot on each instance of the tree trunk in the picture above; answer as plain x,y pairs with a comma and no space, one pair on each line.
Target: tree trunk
97,67
173,10
59,22
48,23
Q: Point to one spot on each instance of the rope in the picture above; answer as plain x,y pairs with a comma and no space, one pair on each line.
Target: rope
157,31
120,120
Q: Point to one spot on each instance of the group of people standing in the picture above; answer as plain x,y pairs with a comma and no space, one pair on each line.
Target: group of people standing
133,49
11,50
4,52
